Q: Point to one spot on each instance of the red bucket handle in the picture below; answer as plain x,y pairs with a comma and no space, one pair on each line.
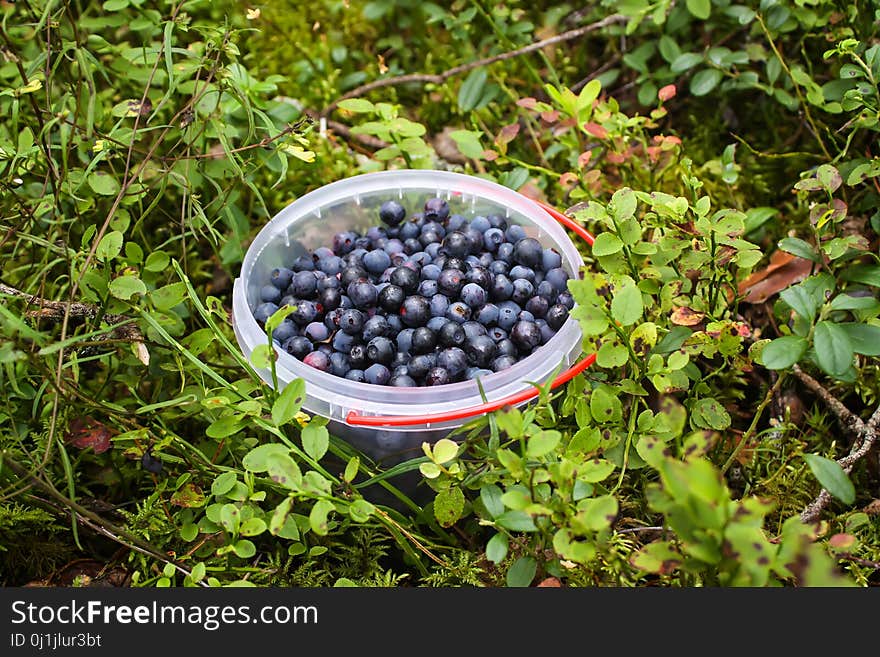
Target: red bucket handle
356,419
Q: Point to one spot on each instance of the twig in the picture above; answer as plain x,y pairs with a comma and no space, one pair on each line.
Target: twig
865,432
425,78
123,327
752,427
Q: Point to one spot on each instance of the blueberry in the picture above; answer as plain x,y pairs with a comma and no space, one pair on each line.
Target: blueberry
486,259
506,348
339,364
317,359
418,366
305,313
321,252
514,233
507,316
505,252
264,311
479,275
451,335
356,375
455,222
377,232
522,291
473,295
405,278
270,294
343,242
416,311
351,321
437,376
502,363
525,335
374,327
475,240
499,267
423,340
546,290
395,325
377,374
556,316
298,346
391,213
332,318
303,263
472,329
436,323
450,282
351,274
345,302
316,332
362,243
376,261
492,239
343,342
355,258
456,244
501,288
428,288
421,258
390,298
497,221
565,299
538,306
429,237
480,350
402,381
550,259
411,246
400,359
393,246
453,360
280,277
518,271
430,272
558,278
380,350
497,333
433,250
486,314
363,294
287,300
285,331
476,373
458,312
547,333
455,263
330,299
436,209
481,223
409,229
357,357
404,340
525,316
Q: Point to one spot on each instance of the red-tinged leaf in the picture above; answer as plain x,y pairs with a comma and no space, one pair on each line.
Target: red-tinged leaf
551,582
507,134
584,159
85,432
568,179
189,495
550,117
596,130
527,103
666,92
615,158
685,316
842,541
532,191
490,155
783,271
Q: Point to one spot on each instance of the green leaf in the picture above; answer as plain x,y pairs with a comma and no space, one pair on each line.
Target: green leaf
867,274
496,548
356,105
783,352
223,484
522,572
315,440
351,469
701,9
516,521
224,426
705,81
606,244
611,355
288,403
468,142
864,338
430,470
597,513
834,351
832,477
252,527
157,261
595,470
708,413
685,61
280,517
605,406
244,549
361,510
444,450
542,443
318,517
124,287
283,470
103,183
801,301
799,247
109,246
658,557
623,204
490,494
471,90
448,506
845,301
258,459
168,296
230,518
626,303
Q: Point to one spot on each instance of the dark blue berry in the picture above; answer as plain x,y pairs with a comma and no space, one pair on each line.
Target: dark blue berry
285,331
356,375
523,290
298,346
380,350
416,311
565,299
525,335
453,360
538,306
390,298
556,316
316,332
339,364
486,314
476,373
343,242
492,239
456,244
450,282
270,294
428,288
318,359
481,223
330,299
501,288
264,311
472,329
506,348
357,357
550,259
473,295
303,263
343,342
451,335
436,209
505,252
430,272
479,275
423,340
402,381
518,271
502,363
514,233
418,366
405,278
391,213
374,327
281,277
497,333
480,350
351,274
377,374
558,278
363,294
458,312
351,321
404,340
376,261
437,376
305,312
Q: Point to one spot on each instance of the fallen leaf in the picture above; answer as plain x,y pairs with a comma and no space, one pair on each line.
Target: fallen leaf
842,541
551,582
85,432
685,316
784,270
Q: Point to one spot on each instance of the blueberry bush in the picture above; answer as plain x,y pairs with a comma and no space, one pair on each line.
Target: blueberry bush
723,154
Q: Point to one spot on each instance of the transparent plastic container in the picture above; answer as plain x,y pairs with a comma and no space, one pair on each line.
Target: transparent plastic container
387,423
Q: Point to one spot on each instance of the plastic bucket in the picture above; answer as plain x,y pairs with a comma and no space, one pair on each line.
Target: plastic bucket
387,423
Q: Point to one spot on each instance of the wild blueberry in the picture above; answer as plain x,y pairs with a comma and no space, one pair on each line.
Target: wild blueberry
363,294
380,350
458,311
395,325
486,314
316,332
429,237
402,381
538,306
280,277
317,359
416,311
351,321
393,246
356,375
565,299
305,313
351,274
506,348
505,252
357,357
558,278
421,259
547,333
507,316
556,316
522,291
327,283
502,363
339,364
453,360
433,250
390,298
343,242
476,373
410,246
450,282
287,300
472,329
423,340
270,294
437,322
264,311
475,240
332,318
400,359
430,272
473,295
514,233
497,333
480,350
550,259
298,346
286,330
455,222
525,335
418,366
409,229
492,239
481,223
343,342
374,327
437,376
377,374
405,278
451,335
302,263
436,209
546,291
404,340
330,299
428,289
392,213
479,275
501,288
525,316
455,263
456,244
376,261
518,271
497,221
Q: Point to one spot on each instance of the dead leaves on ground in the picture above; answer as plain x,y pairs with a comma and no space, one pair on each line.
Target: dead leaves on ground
784,270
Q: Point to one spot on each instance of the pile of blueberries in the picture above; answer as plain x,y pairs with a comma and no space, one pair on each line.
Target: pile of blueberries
428,301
